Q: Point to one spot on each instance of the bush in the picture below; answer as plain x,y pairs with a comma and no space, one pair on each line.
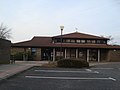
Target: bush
19,56
72,63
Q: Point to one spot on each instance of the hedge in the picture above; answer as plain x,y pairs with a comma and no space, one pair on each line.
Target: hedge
72,63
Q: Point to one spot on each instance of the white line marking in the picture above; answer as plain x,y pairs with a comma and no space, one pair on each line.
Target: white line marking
96,72
64,71
103,68
71,78
112,78
88,70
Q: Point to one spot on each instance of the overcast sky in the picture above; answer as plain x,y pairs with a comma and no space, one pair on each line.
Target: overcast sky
29,18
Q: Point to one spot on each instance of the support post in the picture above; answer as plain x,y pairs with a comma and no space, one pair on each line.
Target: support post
53,54
65,53
88,54
76,53
98,55
24,55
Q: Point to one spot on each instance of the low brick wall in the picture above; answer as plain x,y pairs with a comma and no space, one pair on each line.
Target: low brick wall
114,55
5,46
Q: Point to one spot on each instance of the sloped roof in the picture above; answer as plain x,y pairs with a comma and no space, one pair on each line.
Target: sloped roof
34,42
47,42
80,35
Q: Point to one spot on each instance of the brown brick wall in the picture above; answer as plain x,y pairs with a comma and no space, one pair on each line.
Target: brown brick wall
16,50
114,55
104,54
5,51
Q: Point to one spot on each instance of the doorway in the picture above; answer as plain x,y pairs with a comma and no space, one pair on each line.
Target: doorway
46,54
93,55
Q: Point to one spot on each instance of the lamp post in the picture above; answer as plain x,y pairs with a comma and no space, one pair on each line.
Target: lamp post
61,28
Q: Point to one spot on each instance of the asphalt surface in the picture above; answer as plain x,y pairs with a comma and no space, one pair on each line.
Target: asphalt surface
99,77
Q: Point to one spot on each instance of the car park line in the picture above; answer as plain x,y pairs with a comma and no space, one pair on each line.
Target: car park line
89,70
70,78
103,68
61,71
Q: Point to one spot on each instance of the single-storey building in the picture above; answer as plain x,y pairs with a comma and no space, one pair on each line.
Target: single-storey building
72,45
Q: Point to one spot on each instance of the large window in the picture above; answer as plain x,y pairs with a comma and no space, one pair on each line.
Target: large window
91,41
98,42
72,41
88,41
67,40
57,40
80,41
82,54
71,53
93,55
33,50
101,42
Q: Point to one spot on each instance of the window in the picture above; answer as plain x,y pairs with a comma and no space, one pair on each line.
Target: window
88,41
72,41
33,49
73,53
78,41
80,54
64,40
93,41
58,53
67,40
101,42
82,41
57,40
98,41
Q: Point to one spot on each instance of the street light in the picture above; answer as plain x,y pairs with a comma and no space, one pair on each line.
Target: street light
61,28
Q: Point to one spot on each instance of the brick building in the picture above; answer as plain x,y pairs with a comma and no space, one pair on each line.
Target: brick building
5,46
72,45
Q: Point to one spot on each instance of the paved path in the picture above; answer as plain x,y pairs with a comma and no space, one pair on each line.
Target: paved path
8,70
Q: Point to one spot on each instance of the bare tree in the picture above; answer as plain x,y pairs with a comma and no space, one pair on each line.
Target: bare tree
111,40
5,32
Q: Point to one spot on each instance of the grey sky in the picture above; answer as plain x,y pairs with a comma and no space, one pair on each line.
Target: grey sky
29,18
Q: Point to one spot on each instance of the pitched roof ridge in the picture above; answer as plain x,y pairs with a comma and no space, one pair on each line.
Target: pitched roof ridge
22,41
90,35
41,37
83,34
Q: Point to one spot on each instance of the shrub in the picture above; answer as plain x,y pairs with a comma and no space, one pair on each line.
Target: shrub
19,56
72,63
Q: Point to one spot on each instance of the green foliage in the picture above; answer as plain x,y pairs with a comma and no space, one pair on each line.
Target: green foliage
20,55
72,63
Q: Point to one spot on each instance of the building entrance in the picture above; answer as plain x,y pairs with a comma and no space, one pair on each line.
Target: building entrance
46,54
93,55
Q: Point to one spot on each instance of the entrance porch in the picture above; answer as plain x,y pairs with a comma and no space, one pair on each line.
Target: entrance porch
53,54
77,53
